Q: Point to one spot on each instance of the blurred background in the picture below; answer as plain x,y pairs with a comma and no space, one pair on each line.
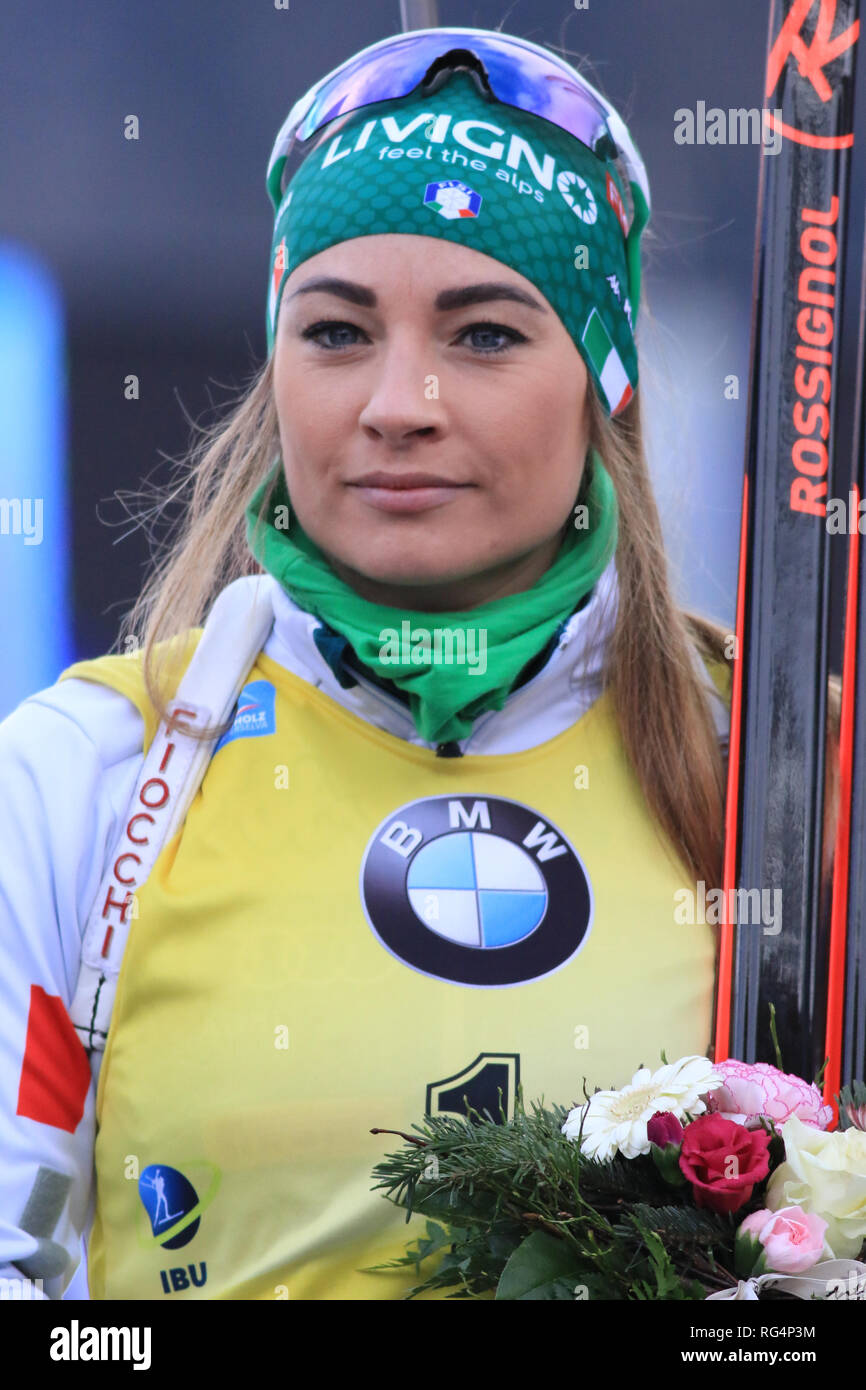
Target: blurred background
149,257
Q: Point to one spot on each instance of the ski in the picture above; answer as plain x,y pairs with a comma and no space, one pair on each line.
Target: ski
775,931
846,1007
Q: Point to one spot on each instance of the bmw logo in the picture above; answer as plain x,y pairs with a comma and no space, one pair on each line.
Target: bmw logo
478,891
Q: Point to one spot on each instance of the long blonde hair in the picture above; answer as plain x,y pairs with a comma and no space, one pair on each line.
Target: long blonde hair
661,704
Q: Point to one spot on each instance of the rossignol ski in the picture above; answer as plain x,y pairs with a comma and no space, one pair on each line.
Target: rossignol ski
778,952
846,1007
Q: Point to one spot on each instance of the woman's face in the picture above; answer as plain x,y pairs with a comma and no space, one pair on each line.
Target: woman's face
433,423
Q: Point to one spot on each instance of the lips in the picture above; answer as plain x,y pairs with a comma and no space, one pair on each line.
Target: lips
406,492
401,482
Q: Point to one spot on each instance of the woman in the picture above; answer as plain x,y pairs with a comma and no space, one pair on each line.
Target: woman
436,853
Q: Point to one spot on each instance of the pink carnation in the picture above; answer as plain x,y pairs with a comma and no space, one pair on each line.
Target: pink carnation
752,1090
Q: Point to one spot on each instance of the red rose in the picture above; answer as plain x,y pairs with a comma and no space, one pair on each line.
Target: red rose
723,1160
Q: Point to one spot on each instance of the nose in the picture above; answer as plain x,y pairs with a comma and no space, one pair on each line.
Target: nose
404,392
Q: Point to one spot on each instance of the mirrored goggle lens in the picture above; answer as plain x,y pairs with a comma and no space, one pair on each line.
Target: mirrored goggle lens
518,75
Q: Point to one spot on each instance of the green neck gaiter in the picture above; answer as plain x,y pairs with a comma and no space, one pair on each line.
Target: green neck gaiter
452,666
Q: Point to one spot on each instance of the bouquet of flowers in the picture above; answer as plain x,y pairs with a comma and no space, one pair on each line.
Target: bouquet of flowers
695,1181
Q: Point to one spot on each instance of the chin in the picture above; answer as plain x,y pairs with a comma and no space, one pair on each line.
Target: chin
409,574
384,560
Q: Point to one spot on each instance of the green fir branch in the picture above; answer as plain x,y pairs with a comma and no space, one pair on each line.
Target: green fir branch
515,1209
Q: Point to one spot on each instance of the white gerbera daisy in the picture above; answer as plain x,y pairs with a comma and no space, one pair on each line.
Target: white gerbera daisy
616,1121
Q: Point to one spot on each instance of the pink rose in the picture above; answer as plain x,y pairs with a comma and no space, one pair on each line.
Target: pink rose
752,1090
793,1239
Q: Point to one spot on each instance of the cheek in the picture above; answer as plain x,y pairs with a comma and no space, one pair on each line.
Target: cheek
309,418
553,418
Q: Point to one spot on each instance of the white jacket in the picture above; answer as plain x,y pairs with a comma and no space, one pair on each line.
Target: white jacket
70,757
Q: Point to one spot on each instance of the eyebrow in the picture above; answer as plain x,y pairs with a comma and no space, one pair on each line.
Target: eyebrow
445,301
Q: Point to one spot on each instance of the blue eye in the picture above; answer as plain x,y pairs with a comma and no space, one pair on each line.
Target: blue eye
315,331
498,329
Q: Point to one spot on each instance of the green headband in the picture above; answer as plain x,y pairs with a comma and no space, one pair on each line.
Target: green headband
488,176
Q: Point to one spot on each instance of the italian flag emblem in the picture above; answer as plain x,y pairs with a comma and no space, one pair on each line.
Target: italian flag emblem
607,363
280,259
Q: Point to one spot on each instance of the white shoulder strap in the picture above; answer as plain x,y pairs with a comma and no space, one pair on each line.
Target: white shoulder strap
236,629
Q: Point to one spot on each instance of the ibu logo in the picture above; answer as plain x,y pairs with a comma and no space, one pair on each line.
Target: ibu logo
451,199
478,891
254,714
193,1276
172,1204
174,1210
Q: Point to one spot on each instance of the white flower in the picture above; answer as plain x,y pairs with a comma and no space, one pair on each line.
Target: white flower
616,1121
824,1173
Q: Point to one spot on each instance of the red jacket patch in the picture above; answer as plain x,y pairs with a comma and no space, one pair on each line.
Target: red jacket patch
55,1072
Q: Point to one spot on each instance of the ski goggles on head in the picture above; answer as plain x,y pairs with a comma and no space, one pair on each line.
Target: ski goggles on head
507,69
